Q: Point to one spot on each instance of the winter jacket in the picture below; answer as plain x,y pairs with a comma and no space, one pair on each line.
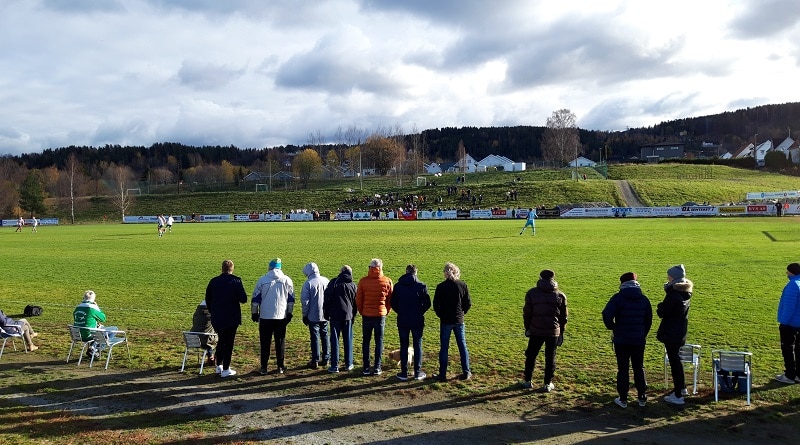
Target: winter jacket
374,294
451,301
273,296
674,312
201,322
87,315
224,295
340,298
8,324
545,310
410,301
789,305
629,315
312,294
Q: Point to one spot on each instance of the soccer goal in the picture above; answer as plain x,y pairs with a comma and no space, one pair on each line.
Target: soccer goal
136,191
262,187
422,181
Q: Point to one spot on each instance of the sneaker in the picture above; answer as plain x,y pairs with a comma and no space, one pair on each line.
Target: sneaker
282,370
684,392
333,369
228,373
401,376
218,370
672,399
465,376
351,367
263,371
377,371
527,384
441,378
549,387
420,376
643,401
312,364
366,371
621,403
783,379
322,363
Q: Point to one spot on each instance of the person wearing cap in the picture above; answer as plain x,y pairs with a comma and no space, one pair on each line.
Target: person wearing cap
789,326
451,302
674,314
544,316
340,310
629,315
271,307
224,296
201,322
410,301
373,301
312,298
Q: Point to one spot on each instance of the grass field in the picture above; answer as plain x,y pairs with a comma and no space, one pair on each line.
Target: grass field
150,286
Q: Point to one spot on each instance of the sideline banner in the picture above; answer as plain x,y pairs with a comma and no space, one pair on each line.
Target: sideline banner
361,216
480,214
407,215
301,217
215,218
752,196
28,222
247,217
760,209
145,219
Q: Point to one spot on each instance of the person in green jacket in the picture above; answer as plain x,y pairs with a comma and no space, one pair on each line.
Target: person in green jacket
88,315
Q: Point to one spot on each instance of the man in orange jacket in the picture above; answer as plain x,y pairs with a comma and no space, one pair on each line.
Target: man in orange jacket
373,302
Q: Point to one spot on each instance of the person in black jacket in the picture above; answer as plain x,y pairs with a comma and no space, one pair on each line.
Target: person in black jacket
410,301
224,296
674,313
544,316
451,302
629,316
339,308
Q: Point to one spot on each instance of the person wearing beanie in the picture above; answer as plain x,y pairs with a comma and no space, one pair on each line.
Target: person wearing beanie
544,316
312,299
629,315
88,315
674,314
272,306
201,322
373,301
789,326
224,296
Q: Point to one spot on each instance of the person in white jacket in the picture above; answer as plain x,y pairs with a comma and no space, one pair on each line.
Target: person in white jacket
272,305
312,297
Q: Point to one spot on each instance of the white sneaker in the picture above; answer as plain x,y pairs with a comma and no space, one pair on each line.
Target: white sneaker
670,398
549,387
783,379
621,403
218,370
228,373
684,392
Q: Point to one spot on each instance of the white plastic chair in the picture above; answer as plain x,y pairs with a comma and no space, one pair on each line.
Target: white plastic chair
106,339
689,354
11,333
192,341
75,335
733,362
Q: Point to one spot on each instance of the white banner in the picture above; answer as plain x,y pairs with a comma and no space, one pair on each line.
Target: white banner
699,210
361,216
301,217
773,195
145,219
215,218
480,214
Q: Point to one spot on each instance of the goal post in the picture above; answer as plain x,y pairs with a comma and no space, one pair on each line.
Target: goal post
421,181
262,187
136,191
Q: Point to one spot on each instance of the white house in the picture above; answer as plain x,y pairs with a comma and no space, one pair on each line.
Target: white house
466,165
501,163
582,162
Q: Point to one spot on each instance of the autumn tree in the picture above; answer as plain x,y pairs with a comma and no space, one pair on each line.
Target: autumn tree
31,193
353,157
306,165
332,161
382,153
120,178
560,140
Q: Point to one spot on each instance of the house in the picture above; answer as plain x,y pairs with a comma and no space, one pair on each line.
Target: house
500,163
662,150
465,165
582,162
256,177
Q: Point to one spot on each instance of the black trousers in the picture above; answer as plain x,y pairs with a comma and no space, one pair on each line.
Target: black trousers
267,329
225,338
630,356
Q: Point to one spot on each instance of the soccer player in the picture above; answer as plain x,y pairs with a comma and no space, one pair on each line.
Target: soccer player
161,223
529,222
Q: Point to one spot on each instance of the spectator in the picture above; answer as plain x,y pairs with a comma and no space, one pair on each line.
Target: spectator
272,306
201,322
674,314
224,296
410,301
373,300
451,302
340,310
312,297
20,326
544,316
789,328
629,316
88,315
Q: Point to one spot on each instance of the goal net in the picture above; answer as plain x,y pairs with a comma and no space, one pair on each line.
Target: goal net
262,187
136,191
421,181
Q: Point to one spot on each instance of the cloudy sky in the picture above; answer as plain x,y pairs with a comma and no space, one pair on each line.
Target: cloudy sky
261,73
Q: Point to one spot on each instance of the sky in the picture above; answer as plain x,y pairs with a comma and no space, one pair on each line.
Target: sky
264,73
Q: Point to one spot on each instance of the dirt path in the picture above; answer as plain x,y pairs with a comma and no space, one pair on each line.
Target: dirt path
628,194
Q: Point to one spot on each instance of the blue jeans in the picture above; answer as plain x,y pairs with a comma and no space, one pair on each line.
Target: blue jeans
345,329
416,334
318,333
370,324
444,345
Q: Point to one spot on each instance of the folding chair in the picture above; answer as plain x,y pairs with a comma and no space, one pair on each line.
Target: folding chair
107,339
75,335
733,362
689,354
10,333
192,341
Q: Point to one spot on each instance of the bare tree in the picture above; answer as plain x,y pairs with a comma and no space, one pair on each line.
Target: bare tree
462,157
73,174
121,178
560,139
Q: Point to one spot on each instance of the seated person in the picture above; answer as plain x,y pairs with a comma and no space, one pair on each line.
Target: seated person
88,315
20,326
201,322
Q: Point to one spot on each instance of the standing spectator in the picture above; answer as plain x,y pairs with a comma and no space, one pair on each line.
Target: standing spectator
20,223
373,300
545,316
789,328
170,222
272,306
340,310
312,297
629,316
410,301
451,302
224,296
674,314
201,322
21,326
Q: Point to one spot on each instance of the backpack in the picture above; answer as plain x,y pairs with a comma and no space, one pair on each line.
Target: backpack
32,311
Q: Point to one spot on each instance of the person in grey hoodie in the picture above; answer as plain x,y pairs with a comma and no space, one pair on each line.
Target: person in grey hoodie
629,316
272,305
312,297
674,313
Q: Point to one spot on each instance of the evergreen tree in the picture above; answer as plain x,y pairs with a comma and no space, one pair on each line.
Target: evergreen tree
31,193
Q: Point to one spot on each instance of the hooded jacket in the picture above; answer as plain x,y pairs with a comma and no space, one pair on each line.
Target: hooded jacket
374,294
340,298
789,305
674,312
312,294
545,310
273,296
410,300
629,315
451,301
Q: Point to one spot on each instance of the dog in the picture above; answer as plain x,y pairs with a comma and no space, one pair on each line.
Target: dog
394,357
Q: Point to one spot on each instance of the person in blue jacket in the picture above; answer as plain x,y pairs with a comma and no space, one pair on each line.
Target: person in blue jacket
789,328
